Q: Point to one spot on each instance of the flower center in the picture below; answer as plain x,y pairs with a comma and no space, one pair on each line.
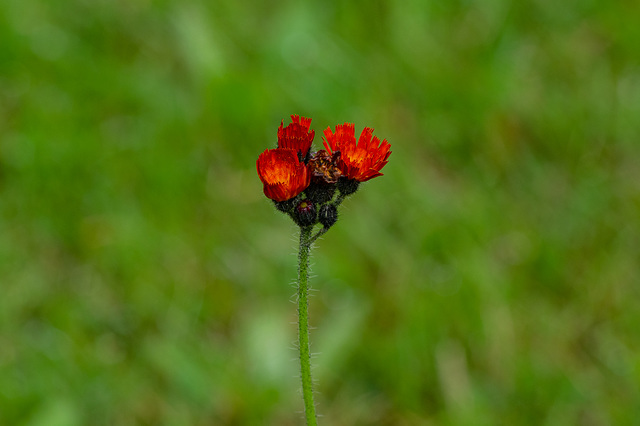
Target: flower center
324,167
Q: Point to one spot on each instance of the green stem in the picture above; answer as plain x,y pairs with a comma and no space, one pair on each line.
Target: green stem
303,325
318,234
339,199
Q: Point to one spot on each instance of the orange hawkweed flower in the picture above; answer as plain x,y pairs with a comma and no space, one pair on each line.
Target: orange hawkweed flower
361,161
296,135
283,174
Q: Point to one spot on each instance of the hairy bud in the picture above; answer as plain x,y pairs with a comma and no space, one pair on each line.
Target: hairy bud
328,215
305,213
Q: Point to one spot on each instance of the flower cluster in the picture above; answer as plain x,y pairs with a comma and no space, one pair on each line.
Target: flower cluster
303,183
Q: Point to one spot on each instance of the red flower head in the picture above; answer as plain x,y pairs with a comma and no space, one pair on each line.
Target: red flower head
283,174
361,161
296,135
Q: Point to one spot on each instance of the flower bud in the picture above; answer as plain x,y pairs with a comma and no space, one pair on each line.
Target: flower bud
347,186
320,192
286,206
328,215
305,213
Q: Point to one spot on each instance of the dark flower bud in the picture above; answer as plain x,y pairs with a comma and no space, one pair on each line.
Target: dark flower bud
286,206
347,186
328,215
320,192
305,213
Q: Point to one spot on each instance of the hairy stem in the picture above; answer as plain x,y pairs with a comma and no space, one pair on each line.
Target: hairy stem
303,325
318,234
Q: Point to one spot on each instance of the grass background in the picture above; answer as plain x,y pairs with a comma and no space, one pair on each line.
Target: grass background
490,277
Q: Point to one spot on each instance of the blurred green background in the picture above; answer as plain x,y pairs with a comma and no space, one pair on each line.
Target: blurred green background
490,277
